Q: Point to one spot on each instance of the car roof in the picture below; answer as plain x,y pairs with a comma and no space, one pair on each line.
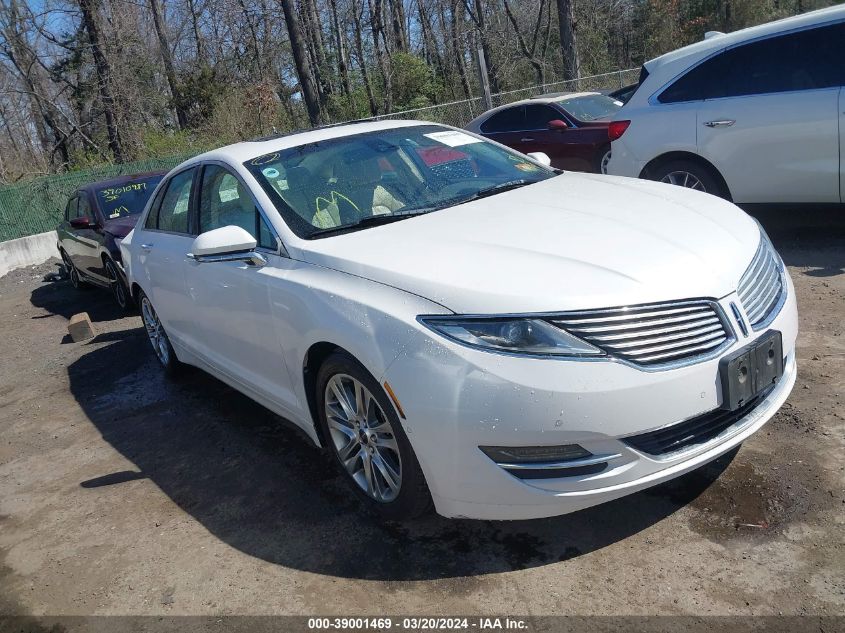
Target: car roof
246,150
677,60
546,99
553,97
121,180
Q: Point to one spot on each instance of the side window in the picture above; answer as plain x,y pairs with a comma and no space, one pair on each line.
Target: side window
695,85
152,217
70,209
537,117
84,209
807,60
224,201
175,204
509,120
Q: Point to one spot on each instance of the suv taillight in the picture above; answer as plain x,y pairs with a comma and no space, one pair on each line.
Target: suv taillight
617,129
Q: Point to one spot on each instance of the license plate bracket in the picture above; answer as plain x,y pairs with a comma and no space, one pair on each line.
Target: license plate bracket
751,370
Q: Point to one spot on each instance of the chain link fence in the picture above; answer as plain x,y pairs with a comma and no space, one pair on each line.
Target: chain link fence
38,205
459,113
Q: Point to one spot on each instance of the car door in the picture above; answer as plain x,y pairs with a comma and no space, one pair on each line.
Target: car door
67,239
568,148
770,123
164,242
234,324
87,257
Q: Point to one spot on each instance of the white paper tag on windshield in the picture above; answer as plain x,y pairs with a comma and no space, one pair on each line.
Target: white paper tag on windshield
452,138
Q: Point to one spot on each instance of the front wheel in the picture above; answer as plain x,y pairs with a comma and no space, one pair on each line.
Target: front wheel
117,287
369,446
158,337
689,174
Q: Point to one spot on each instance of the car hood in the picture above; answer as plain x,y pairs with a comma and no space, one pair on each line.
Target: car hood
572,242
120,227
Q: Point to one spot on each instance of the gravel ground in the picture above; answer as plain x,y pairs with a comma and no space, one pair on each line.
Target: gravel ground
124,493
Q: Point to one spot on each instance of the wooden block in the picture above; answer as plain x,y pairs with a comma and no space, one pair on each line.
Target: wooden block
80,327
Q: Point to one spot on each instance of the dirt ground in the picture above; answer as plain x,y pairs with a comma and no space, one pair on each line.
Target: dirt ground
124,493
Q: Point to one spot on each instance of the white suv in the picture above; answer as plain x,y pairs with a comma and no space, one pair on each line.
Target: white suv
755,116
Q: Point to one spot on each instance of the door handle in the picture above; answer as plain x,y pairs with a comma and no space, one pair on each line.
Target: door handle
720,123
525,140
146,247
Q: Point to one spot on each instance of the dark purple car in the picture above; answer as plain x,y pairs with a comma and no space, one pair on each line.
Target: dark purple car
97,217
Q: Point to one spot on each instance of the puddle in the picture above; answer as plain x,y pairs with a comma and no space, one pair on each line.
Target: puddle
744,502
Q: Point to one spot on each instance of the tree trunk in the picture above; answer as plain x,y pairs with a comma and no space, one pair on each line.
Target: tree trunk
300,59
382,56
314,33
362,61
89,15
458,46
195,26
342,59
481,23
429,42
568,44
169,71
523,45
397,18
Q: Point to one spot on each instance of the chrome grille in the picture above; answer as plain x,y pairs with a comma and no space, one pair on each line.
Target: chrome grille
761,287
652,335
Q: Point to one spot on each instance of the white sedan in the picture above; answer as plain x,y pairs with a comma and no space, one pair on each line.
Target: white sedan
460,324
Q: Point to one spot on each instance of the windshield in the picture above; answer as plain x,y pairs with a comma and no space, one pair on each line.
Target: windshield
590,107
129,198
366,179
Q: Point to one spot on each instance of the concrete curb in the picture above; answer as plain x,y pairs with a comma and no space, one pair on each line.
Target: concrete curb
27,251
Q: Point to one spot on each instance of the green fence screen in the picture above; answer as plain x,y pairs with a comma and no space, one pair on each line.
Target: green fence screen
38,205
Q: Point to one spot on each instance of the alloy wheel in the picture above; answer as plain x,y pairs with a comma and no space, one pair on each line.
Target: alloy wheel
74,277
604,161
72,273
363,438
116,285
684,179
155,332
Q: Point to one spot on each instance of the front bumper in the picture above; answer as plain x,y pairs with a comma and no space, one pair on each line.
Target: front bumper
457,399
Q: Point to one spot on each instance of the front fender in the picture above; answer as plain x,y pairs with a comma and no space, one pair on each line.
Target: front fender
372,321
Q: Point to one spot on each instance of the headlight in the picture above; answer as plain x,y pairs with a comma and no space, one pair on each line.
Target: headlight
513,335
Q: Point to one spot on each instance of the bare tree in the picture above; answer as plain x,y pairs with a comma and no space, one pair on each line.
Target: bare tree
169,71
303,64
568,44
89,19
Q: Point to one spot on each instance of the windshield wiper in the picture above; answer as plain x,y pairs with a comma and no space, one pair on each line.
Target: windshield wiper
492,191
370,220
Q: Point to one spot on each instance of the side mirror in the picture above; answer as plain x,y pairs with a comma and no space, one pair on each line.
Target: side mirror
83,222
226,244
540,157
557,124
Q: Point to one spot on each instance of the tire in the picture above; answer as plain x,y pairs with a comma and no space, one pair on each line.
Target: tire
118,289
373,443
73,274
602,158
158,337
695,175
